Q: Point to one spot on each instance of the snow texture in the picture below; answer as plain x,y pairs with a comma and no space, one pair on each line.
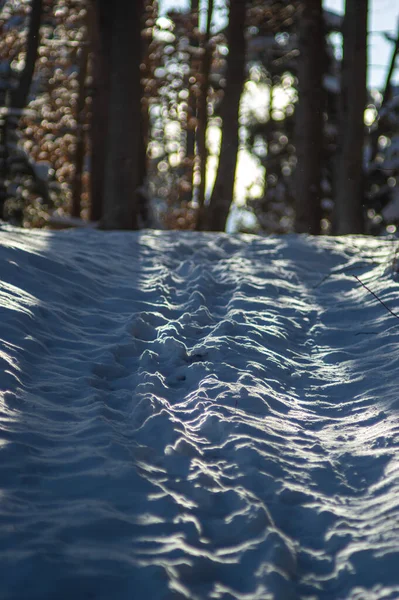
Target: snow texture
197,416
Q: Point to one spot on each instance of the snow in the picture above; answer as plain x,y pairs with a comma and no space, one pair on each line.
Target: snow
333,20
189,415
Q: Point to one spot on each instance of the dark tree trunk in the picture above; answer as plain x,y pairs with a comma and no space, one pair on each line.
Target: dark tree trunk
100,40
222,195
80,138
190,131
203,116
309,118
19,97
142,196
122,165
348,217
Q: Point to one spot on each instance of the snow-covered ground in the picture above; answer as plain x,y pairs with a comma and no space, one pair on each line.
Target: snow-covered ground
198,416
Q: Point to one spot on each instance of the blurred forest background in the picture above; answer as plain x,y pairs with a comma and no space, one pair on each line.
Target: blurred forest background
250,116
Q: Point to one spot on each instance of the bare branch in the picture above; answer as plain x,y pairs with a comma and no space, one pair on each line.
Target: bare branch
376,297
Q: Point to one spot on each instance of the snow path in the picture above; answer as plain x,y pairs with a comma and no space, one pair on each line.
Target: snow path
197,416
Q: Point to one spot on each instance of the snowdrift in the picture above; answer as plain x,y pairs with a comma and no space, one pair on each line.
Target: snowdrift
198,416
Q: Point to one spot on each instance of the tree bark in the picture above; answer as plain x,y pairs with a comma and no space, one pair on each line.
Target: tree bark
191,112
222,195
122,165
348,217
309,118
19,96
203,116
100,41
83,55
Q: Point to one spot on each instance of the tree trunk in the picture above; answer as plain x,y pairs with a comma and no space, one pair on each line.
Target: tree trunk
309,118
19,96
145,217
100,40
122,165
222,195
203,115
348,217
188,195
83,55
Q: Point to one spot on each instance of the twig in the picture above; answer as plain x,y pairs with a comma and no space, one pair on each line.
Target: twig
338,271
366,333
376,297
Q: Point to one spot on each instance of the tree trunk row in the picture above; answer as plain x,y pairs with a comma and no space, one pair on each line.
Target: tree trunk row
349,176
118,151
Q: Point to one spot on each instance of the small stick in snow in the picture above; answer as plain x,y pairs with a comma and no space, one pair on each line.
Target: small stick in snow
366,333
377,298
339,271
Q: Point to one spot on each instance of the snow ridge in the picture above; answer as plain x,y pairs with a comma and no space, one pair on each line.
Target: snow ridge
197,416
